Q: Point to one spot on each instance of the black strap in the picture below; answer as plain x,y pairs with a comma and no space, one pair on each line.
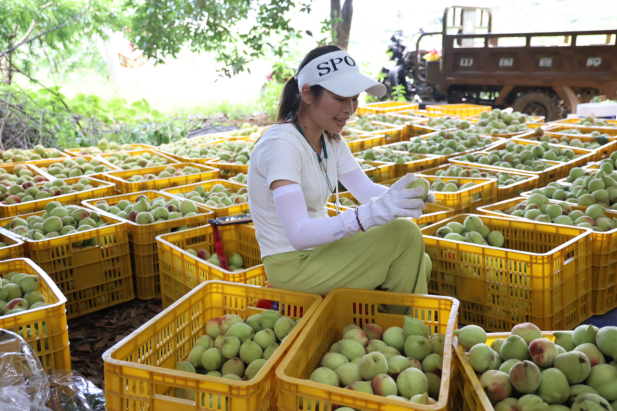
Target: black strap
323,167
323,143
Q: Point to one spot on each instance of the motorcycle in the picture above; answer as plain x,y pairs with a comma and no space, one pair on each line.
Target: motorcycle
401,80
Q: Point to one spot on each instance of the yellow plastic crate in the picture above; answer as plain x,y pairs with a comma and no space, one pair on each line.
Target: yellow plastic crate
602,152
86,151
604,300
562,182
392,133
139,370
417,129
462,201
10,167
91,278
44,329
42,166
431,214
142,240
170,159
603,244
553,173
541,275
351,306
366,142
218,211
508,135
444,157
573,121
381,107
198,141
101,189
401,115
561,130
557,171
466,392
461,110
503,192
379,171
123,186
425,115
425,162
102,161
536,119
493,209
227,169
63,156
181,271
14,247
590,166
233,180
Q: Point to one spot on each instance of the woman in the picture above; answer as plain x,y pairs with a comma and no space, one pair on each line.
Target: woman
295,168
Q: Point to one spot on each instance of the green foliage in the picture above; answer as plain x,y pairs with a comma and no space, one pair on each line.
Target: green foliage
329,34
163,28
17,16
380,76
398,93
270,96
47,117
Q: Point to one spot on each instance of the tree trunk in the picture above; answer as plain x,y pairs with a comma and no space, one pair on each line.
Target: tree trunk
4,70
341,29
335,12
6,62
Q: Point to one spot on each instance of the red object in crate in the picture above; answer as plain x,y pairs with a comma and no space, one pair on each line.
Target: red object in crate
267,304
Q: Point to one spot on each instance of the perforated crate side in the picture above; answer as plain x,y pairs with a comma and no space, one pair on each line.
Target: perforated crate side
182,271
44,329
139,370
540,271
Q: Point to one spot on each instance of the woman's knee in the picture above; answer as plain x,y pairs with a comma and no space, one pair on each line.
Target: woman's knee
406,228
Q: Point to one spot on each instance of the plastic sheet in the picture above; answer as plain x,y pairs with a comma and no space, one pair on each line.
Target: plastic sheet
26,386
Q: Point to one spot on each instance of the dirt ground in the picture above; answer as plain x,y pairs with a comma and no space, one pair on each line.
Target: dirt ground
93,334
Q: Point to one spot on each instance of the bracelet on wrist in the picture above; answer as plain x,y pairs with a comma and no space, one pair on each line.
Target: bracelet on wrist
358,220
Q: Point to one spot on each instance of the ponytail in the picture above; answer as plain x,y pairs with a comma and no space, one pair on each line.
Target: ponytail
289,102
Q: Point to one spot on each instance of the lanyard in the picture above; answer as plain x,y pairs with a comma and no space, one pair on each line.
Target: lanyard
323,167
323,145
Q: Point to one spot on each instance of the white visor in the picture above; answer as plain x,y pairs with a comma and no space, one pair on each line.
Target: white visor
338,73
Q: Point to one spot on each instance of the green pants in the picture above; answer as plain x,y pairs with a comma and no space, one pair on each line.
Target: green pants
389,258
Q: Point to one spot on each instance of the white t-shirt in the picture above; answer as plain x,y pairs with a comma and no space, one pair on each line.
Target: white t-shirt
282,153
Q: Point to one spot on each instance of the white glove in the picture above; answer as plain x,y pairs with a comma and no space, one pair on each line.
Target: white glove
395,203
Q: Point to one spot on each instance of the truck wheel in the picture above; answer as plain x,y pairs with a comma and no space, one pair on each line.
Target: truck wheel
538,103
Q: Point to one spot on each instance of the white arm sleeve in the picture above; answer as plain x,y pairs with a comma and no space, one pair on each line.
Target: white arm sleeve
360,186
304,232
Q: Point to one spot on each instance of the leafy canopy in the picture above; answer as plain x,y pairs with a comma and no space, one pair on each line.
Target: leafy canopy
21,20
16,17
236,30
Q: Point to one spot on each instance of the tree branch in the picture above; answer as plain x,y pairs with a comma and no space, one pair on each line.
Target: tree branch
28,33
80,15
52,92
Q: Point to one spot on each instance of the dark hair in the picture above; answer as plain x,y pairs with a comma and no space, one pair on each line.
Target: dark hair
290,101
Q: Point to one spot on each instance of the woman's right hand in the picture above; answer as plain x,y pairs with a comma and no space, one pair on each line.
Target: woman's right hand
397,202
